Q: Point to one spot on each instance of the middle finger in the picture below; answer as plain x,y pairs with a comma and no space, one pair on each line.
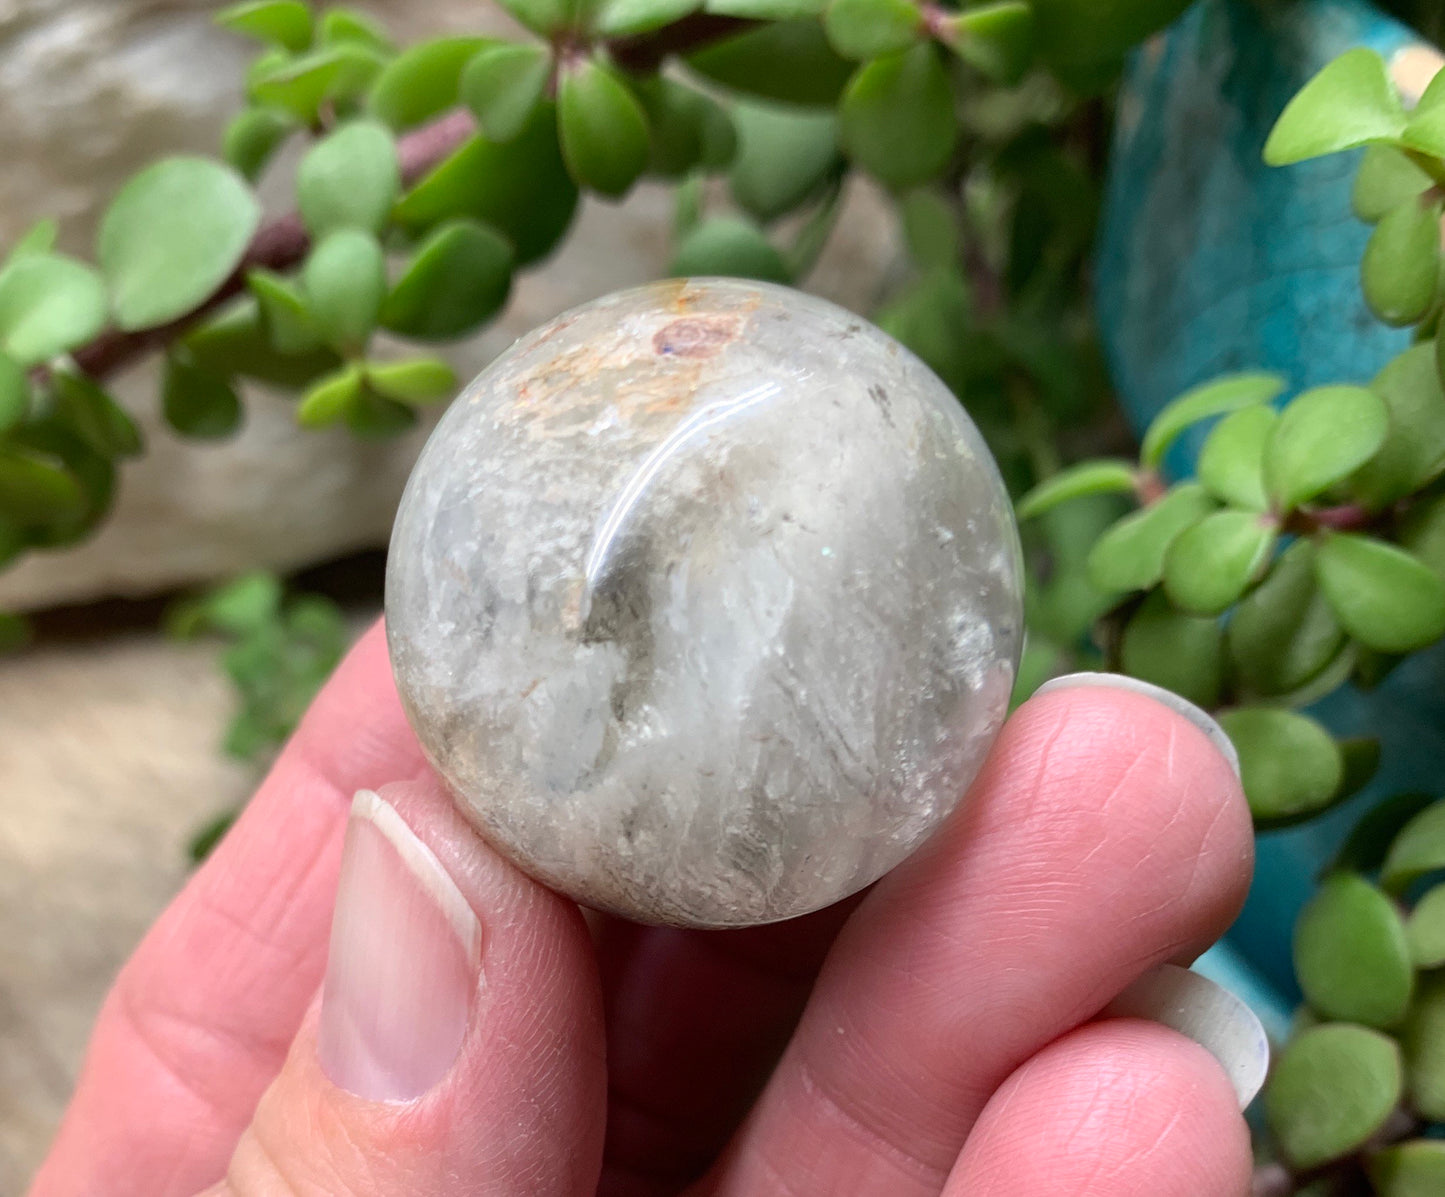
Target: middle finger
1106,834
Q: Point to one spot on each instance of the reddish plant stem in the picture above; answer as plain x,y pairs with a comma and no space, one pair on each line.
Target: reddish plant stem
1348,517
1149,487
648,51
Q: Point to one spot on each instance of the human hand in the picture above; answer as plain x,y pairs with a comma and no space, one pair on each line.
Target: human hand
938,1037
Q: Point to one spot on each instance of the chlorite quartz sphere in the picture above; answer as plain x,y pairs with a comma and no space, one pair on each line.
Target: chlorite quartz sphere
704,599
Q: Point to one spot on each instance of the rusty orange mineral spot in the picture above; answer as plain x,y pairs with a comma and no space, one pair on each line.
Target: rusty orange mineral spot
694,336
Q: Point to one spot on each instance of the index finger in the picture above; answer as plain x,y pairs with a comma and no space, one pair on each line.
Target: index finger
200,1018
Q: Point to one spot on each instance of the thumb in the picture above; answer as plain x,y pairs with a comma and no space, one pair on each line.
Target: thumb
457,1044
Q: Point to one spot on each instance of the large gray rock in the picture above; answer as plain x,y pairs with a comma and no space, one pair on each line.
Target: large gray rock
706,599
92,90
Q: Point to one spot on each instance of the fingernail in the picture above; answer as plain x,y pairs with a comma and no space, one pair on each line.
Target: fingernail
1180,706
1207,1013
404,964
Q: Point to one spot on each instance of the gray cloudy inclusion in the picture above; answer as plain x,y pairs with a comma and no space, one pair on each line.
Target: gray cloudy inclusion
705,600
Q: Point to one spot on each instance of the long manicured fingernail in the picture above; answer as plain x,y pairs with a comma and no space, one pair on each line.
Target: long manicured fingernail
404,965
1180,706
1207,1013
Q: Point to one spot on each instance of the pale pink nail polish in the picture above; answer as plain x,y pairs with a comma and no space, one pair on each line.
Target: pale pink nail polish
404,963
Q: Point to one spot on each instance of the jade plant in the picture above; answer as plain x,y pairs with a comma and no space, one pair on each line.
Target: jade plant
1307,551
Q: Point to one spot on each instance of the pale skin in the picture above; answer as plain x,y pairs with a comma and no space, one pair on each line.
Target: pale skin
935,1038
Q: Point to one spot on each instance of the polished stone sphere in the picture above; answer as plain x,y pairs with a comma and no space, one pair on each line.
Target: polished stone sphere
704,599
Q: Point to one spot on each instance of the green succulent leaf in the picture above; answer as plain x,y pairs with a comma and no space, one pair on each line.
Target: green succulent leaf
1291,766
1219,397
37,490
172,236
48,305
349,179
1425,929
1283,633
345,283
731,246
1332,1089
197,403
1422,533
1130,555
1180,652
689,131
784,155
1433,95
996,39
624,18
1413,453
283,310
1322,437
236,343
541,16
1087,478
929,317
50,442
1369,841
867,29
1065,606
416,380
423,81
810,240
14,393
264,65
1084,41
504,84
243,605
603,129
348,27
1384,597
1385,180
1212,563
1351,102
13,541
285,23
1425,131
896,120
457,280
39,238
766,10
788,60
1423,1042
15,632
253,137
1231,464
1412,1169
1401,267
1417,850
301,86
373,416
687,206
931,228
92,415
1351,954
332,398
521,188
